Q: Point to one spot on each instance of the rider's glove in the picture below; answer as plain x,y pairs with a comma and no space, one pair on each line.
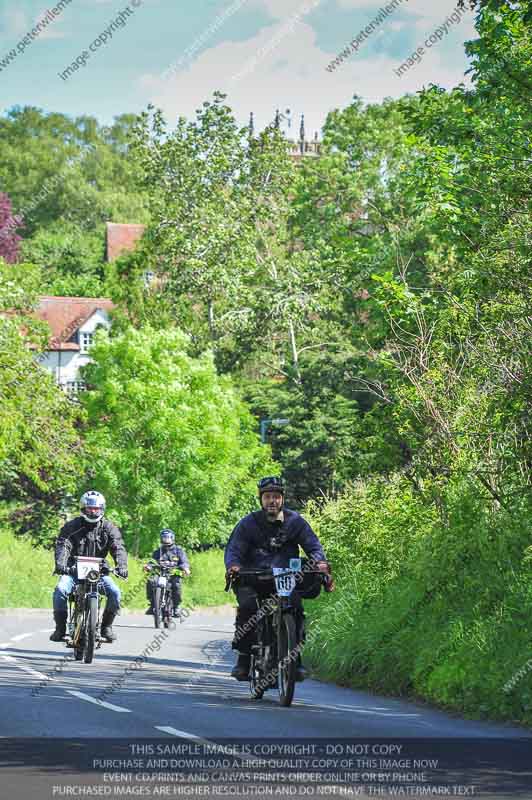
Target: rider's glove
233,570
121,572
187,572
147,567
324,567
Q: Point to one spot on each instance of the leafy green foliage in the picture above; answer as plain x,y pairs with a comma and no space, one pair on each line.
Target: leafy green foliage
55,168
448,605
168,441
39,443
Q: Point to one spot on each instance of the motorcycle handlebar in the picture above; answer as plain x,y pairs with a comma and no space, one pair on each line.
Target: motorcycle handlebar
267,574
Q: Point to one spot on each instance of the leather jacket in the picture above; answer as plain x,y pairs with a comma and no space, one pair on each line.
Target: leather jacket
80,538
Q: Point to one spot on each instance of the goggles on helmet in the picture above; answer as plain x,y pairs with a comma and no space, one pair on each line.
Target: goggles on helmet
271,484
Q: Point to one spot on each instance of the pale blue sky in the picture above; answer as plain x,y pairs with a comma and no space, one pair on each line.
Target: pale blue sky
263,53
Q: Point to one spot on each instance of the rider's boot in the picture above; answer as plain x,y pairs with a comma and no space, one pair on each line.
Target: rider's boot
106,630
60,619
301,671
241,669
149,611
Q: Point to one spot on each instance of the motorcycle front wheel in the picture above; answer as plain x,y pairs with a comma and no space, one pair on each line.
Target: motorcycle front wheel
287,657
91,623
157,607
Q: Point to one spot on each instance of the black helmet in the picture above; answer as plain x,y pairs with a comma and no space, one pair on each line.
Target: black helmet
167,537
271,484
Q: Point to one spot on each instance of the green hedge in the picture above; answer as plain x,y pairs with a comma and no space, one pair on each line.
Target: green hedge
435,609
28,581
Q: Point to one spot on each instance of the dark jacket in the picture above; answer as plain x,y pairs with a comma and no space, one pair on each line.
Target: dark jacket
79,538
256,543
172,552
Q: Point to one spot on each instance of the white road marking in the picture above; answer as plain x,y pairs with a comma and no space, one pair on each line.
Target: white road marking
355,710
201,672
96,702
4,645
182,734
193,737
20,637
31,671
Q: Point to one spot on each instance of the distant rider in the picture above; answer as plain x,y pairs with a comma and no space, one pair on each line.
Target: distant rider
90,534
168,551
263,539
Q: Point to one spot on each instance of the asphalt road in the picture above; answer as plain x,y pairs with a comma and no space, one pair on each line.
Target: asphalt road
182,693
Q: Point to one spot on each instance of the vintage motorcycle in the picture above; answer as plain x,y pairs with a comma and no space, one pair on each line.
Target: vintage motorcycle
275,655
163,605
83,629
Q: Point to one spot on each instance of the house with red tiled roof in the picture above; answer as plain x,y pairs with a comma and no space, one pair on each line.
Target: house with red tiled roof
73,322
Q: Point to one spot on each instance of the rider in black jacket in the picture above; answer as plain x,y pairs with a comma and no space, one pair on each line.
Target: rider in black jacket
269,538
168,551
90,534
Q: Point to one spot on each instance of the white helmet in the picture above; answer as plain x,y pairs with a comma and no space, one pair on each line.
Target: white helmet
92,506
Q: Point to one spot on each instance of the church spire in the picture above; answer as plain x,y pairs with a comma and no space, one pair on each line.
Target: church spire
302,135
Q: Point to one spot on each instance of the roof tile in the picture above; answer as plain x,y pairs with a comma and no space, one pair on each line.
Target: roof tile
122,238
65,315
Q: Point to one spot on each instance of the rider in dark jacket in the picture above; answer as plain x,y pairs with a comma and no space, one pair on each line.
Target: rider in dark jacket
88,535
169,551
268,538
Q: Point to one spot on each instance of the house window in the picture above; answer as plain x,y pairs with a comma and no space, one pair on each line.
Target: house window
85,342
74,387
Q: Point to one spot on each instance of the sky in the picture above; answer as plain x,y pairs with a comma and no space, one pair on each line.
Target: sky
264,54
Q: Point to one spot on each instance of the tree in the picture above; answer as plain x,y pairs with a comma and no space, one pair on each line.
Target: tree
225,255
169,442
40,449
74,170
72,259
9,238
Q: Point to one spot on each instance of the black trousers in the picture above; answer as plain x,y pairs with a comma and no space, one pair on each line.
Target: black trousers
175,586
246,621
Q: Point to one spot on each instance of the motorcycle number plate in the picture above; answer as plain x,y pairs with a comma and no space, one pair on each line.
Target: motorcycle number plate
84,565
161,581
285,582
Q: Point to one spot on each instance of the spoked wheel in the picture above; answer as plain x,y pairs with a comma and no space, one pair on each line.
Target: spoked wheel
157,607
255,681
91,623
286,644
